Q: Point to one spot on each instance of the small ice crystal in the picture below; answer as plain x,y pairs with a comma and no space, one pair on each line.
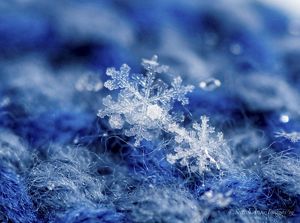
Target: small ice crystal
89,82
210,84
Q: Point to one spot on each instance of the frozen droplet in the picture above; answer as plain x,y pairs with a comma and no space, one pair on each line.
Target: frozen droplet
284,118
116,121
235,49
51,186
210,84
76,140
89,82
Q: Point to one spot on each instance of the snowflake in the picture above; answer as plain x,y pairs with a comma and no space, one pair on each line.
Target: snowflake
292,136
195,146
142,107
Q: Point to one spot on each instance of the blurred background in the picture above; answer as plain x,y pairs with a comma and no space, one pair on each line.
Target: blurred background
53,57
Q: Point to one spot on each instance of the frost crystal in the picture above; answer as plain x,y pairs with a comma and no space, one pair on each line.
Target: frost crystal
292,136
195,146
144,101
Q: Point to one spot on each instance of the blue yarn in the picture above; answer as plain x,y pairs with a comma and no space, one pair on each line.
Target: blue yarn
152,204
87,215
68,183
15,204
13,154
148,161
54,127
247,191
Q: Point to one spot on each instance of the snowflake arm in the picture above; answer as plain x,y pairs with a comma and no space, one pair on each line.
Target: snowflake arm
292,136
119,79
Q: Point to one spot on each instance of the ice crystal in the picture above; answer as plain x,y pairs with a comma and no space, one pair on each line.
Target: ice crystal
142,107
217,199
210,84
196,146
292,136
89,82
